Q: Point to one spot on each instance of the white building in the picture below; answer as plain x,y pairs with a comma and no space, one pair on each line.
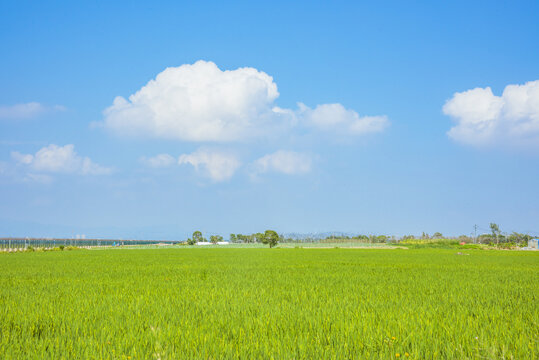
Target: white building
205,243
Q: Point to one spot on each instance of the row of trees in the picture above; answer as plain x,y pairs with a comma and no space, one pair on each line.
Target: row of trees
498,238
269,237
197,237
247,239
358,238
495,237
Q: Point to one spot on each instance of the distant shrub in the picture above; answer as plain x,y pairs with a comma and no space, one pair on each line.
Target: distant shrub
30,249
430,243
471,246
61,247
507,245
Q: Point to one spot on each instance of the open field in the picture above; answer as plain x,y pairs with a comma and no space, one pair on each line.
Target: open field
186,302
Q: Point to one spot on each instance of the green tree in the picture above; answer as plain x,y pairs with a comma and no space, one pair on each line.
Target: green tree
241,238
233,238
271,238
437,235
215,239
197,237
495,231
259,237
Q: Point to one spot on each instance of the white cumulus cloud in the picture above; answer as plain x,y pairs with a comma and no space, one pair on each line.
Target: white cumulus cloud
200,102
159,161
197,102
217,165
59,159
485,119
286,162
336,118
27,110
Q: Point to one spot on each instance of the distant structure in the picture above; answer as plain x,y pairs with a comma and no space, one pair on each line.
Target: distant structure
206,243
533,244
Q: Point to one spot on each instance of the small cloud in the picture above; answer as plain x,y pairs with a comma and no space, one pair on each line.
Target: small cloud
59,159
27,110
217,165
485,119
336,118
25,159
286,162
18,142
39,178
158,161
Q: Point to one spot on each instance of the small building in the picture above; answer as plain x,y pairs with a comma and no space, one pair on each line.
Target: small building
203,243
223,243
533,244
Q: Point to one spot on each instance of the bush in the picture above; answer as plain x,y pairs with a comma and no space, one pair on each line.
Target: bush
471,246
430,243
61,247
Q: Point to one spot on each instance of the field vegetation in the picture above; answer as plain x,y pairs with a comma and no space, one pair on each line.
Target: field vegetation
256,303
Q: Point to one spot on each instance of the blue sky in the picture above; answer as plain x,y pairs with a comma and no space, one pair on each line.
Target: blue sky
373,117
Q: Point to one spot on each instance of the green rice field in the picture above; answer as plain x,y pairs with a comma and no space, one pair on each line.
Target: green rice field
259,303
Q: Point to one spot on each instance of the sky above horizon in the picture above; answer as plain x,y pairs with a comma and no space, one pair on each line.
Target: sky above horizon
152,120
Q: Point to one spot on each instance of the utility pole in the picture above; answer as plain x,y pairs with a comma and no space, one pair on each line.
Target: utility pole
475,234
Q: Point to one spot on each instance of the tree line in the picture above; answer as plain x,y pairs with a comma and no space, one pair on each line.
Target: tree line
269,237
272,238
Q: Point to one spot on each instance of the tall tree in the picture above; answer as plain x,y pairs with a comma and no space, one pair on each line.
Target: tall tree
197,237
215,239
271,238
495,231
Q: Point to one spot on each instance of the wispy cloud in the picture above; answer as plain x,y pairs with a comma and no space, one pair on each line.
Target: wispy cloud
286,162
217,165
158,161
58,159
337,119
27,110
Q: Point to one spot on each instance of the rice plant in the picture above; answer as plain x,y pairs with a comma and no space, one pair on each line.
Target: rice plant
226,303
